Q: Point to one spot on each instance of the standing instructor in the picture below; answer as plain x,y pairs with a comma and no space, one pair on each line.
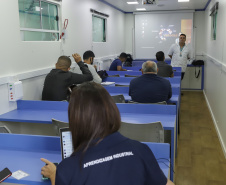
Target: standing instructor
180,54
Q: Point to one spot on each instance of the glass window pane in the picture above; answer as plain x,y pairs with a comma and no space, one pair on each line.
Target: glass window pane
29,11
49,16
38,36
98,29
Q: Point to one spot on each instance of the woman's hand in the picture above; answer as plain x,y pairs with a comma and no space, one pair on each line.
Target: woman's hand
49,170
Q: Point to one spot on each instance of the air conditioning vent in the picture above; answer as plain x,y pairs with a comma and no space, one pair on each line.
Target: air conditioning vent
150,2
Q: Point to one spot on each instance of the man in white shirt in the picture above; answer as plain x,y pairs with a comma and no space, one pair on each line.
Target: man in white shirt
180,54
88,58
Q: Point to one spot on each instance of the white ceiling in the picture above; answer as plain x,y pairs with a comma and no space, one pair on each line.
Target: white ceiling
161,5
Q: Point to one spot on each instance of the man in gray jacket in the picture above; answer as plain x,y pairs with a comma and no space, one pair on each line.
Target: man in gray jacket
88,58
58,80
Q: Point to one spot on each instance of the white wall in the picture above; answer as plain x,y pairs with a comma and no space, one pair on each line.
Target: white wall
31,61
215,70
129,27
199,32
80,28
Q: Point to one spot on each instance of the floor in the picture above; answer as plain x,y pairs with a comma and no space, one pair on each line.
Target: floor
200,159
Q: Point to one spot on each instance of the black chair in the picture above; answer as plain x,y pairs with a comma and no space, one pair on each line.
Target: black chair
59,124
4,129
119,98
119,85
114,76
145,132
162,102
130,75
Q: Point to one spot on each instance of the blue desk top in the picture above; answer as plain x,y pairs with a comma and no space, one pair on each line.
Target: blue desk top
58,110
135,73
138,68
23,152
175,82
21,155
176,79
37,112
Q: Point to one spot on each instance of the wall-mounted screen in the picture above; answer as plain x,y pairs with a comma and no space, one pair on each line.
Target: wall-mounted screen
158,31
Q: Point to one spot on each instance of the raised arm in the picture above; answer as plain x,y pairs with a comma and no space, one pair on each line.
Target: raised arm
80,78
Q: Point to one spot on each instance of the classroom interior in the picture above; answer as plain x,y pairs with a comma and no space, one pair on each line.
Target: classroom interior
202,111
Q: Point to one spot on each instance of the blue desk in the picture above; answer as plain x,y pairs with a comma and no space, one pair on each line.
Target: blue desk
37,112
139,62
138,68
175,82
134,73
25,154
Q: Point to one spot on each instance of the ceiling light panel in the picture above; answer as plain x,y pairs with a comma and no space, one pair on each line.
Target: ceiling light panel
140,9
182,1
132,3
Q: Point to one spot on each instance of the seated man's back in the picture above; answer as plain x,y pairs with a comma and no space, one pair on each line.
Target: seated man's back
164,69
150,88
58,80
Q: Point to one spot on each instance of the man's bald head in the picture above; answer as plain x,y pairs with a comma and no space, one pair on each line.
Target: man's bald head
149,67
63,63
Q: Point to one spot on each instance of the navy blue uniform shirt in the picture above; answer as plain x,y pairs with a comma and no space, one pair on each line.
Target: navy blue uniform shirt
114,65
116,160
150,88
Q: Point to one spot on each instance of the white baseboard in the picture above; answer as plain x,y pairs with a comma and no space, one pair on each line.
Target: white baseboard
215,124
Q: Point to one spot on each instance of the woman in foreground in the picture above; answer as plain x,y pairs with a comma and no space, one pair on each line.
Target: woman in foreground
102,156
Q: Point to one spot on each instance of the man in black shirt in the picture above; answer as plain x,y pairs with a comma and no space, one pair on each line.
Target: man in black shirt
165,70
58,80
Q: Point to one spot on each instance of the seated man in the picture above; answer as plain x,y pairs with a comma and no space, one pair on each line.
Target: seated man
165,70
88,58
116,65
150,88
58,80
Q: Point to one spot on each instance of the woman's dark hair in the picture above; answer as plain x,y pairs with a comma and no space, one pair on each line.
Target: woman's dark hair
92,114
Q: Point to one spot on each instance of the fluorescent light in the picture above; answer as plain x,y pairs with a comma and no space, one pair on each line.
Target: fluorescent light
132,3
140,9
180,1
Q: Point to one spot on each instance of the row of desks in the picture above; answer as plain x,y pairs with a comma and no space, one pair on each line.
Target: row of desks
134,73
175,81
44,111
138,68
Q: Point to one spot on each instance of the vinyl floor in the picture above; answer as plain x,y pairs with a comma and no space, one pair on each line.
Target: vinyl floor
200,159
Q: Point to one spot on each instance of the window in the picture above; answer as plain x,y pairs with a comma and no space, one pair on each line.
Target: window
38,20
99,29
213,14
